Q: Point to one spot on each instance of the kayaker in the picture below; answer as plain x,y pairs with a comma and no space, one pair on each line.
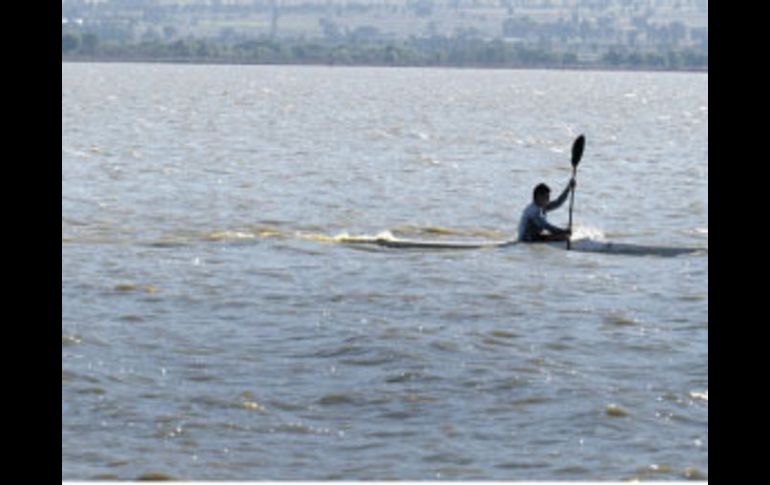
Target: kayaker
533,226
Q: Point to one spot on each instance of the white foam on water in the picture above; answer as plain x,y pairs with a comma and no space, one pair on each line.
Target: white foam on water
229,235
580,233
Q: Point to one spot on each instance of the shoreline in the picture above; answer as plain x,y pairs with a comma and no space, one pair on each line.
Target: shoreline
84,59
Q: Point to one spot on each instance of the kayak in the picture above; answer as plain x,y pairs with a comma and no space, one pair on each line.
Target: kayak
386,240
580,245
590,246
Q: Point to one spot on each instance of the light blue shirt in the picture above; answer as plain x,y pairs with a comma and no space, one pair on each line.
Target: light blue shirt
533,219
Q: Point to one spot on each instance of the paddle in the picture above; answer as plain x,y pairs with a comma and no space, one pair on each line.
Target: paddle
577,153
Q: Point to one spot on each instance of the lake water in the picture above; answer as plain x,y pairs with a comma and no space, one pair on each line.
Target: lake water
213,327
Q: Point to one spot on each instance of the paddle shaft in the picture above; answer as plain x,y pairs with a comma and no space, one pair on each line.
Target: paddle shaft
571,203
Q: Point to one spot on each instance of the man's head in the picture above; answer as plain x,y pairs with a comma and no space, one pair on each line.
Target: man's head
541,195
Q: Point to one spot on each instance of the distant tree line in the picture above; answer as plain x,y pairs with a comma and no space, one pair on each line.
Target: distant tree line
352,50
670,60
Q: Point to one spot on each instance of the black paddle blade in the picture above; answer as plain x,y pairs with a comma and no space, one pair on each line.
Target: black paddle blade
577,150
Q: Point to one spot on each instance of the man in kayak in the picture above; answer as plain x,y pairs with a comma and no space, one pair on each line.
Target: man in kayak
533,227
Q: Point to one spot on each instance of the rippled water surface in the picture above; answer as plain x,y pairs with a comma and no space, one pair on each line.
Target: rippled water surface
213,327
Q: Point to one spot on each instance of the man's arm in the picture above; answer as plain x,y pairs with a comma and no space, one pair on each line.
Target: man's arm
562,198
541,223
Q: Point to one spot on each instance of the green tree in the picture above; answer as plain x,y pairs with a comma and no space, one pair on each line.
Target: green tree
613,58
692,58
673,60
635,59
203,49
90,43
653,59
69,43
340,55
569,58
392,54
180,48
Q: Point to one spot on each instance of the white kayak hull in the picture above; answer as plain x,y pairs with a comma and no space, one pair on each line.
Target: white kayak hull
584,245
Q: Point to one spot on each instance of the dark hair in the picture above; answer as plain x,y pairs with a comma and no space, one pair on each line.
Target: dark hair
540,189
